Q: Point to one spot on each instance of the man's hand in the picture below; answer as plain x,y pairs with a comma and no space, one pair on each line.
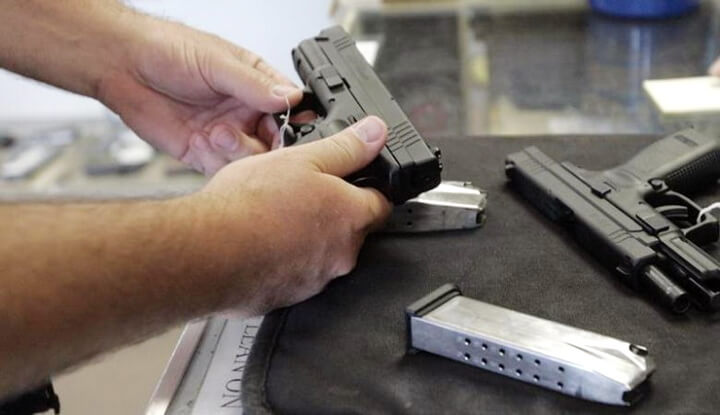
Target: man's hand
200,98
307,223
266,231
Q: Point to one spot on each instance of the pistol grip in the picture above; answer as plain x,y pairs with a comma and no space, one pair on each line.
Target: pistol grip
685,160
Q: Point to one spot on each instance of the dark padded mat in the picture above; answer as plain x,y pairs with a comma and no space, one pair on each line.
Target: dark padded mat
343,351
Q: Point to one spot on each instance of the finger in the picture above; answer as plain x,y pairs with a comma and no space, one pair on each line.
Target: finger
253,87
259,63
348,151
378,209
267,128
715,68
277,141
230,145
190,159
209,162
271,72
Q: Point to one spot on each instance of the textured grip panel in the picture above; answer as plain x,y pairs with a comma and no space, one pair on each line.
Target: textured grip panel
697,173
685,160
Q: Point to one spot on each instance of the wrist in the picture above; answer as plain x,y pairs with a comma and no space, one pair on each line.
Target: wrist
218,256
118,48
137,40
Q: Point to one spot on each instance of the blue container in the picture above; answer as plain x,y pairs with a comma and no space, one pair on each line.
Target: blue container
644,9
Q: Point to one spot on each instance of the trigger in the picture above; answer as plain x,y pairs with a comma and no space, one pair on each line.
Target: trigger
296,132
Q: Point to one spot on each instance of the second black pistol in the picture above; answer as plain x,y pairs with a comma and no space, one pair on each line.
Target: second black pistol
633,217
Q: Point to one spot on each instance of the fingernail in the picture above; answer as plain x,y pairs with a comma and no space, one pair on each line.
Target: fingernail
284,90
200,143
223,138
370,129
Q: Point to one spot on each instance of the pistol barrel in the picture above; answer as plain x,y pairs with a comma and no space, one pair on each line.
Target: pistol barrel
661,287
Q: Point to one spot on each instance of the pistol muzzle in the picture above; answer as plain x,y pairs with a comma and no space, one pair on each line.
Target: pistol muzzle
661,287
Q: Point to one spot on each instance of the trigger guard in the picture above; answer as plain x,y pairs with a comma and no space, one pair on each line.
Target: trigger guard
702,232
674,212
309,102
296,131
673,199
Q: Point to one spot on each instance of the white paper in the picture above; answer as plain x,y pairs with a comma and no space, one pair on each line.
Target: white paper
685,96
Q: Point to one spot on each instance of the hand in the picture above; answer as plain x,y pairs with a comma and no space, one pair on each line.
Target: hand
195,96
306,224
715,68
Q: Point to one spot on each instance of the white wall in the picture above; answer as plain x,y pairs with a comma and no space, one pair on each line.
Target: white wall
268,27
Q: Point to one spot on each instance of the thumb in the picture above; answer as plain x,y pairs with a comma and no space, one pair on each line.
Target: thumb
349,150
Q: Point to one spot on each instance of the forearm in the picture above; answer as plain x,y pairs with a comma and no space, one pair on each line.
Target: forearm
80,279
72,44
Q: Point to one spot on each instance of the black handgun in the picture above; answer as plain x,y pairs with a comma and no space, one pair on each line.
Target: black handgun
342,88
633,217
